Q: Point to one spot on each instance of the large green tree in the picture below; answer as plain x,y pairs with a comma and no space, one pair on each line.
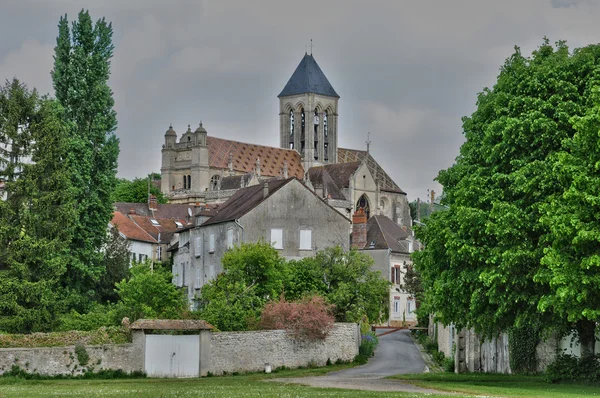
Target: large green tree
482,262
80,77
37,221
136,190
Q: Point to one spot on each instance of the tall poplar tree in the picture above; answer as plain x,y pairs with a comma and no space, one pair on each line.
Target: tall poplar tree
80,77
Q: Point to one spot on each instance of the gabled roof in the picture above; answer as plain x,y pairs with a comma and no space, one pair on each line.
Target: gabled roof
244,155
308,78
162,211
130,229
245,200
383,233
385,181
320,176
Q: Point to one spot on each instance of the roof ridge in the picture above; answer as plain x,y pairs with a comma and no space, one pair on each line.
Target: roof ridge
140,227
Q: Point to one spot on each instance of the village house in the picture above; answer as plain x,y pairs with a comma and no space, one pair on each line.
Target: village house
283,212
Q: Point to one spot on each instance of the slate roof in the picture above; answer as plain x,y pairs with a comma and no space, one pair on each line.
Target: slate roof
308,78
320,176
386,234
235,182
244,155
245,200
385,181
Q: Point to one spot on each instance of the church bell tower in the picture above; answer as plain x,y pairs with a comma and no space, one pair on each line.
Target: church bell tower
308,115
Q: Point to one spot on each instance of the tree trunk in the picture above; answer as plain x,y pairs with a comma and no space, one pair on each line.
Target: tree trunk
586,330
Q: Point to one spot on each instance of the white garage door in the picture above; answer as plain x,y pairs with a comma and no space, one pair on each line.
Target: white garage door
172,356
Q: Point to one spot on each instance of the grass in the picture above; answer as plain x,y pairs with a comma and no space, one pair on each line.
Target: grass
247,385
497,385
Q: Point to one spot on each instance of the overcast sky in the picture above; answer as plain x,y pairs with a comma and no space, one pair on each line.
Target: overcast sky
406,71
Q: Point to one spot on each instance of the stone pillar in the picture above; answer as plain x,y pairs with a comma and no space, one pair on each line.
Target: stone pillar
205,366
139,343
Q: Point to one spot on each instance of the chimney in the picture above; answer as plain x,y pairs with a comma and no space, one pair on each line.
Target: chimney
152,203
359,229
131,211
265,190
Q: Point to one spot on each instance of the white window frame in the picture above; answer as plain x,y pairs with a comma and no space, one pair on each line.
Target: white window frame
305,239
198,246
211,243
158,253
198,278
277,238
409,307
230,238
396,306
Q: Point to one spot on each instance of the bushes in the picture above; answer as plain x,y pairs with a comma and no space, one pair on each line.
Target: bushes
569,367
104,335
16,371
368,343
308,319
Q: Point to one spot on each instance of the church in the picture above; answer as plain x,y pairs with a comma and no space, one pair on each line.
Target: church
201,169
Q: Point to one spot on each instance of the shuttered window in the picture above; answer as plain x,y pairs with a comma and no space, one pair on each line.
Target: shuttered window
305,239
198,246
211,243
277,238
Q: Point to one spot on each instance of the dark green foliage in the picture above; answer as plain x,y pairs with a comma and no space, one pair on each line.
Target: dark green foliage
136,191
36,220
487,261
82,355
116,267
345,279
448,365
570,368
522,344
149,293
103,374
97,317
368,343
80,78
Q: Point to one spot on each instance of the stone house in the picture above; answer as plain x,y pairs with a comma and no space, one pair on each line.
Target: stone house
390,247
284,212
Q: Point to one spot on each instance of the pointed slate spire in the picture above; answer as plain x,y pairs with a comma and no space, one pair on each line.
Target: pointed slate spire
308,78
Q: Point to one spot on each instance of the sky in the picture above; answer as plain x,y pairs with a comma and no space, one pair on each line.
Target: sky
406,71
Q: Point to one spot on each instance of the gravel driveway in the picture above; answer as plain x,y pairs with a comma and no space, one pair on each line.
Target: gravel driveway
395,354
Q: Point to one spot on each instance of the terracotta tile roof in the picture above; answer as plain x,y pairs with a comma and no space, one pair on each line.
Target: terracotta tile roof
163,210
166,226
244,200
130,229
244,157
171,324
354,155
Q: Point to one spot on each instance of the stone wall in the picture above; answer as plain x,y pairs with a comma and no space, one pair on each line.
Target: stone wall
250,351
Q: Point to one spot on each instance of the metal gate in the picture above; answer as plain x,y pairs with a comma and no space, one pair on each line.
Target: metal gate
172,356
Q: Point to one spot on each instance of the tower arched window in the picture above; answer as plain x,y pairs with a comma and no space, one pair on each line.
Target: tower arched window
302,121
325,127
184,182
189,180
291,129
316,123
214,182
363,202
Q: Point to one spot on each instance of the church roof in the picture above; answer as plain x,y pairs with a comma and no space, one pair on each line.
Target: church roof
272,160
385,181
308,78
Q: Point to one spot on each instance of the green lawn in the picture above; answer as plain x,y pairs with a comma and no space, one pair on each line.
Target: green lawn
249,385
500,385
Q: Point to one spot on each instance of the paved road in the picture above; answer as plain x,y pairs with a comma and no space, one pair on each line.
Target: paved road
395,354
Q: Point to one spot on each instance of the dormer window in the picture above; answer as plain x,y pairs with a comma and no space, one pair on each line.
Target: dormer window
154,222
179,225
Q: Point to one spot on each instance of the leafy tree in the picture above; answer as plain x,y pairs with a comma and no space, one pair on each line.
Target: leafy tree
252,275
482,261
135,191
345,279
80,78
116,266
149,293
36,222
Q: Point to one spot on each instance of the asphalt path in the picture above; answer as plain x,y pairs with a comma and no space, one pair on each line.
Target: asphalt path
395,354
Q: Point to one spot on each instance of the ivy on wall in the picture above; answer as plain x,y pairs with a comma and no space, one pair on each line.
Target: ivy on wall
522,343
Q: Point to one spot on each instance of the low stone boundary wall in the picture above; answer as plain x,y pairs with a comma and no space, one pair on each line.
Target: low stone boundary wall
250,351
63,360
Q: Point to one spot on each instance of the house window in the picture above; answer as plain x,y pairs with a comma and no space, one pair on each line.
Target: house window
211,272
198,246
393,278
183,280
229,238
158,253
211,243
396,275
410,246
154,222
410,306
140,257
396,305
198,278
277,238
305,239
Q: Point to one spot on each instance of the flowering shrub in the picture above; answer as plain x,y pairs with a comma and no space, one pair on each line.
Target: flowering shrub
368,343
308,319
